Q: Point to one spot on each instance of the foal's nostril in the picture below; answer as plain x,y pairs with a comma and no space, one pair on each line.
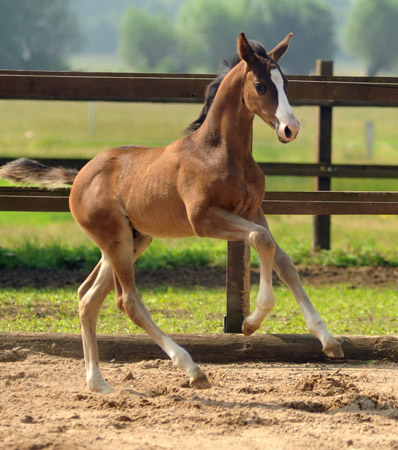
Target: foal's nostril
288,132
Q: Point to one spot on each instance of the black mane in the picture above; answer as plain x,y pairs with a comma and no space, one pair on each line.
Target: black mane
212,88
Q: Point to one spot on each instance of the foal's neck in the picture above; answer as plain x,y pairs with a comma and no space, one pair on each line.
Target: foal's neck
228,126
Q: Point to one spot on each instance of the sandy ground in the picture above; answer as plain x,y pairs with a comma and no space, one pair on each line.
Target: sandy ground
44,404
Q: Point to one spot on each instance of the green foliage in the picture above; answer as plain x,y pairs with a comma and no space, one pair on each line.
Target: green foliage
100,20
311,21
206,32
29,255
190,252
371,33
55,255
148,41
36,34
356,254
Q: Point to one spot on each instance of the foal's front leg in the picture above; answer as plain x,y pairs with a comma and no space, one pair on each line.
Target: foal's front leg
258,235
286,271
288,274
223,224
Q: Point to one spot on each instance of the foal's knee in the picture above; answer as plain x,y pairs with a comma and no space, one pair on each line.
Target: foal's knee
262,240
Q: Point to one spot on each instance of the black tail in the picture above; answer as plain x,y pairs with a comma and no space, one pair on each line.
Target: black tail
28,171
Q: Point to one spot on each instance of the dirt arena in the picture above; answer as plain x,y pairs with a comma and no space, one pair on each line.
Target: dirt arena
45,405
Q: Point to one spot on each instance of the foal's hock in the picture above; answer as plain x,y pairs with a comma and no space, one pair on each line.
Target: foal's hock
205,184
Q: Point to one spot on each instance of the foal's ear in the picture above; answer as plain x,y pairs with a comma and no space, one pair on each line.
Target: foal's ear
277,52
245,51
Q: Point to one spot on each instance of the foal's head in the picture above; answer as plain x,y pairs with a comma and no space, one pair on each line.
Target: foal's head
264,91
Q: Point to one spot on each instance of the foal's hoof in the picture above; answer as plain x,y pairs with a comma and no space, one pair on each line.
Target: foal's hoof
334,351
102,389
247,329
200,383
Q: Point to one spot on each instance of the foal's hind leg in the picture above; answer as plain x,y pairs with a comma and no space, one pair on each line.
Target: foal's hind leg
120,250
288,274
92,294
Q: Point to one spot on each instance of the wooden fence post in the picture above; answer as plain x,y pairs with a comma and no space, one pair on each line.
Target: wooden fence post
238,286
237,283
321,229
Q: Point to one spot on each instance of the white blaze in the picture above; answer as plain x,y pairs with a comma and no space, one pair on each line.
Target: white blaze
284,111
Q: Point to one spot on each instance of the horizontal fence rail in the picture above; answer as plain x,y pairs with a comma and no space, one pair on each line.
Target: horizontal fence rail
295,203
281,169
330,203
330,170
128,87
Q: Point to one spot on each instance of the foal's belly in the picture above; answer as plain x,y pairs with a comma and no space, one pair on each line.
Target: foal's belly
161,220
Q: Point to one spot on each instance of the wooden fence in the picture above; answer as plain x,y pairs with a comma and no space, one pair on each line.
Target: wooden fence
322,90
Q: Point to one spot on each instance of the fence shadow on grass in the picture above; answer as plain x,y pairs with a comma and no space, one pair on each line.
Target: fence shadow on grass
185,277
205,276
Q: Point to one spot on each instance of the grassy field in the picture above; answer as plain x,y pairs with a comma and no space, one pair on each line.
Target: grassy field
62,129
50,128
197,310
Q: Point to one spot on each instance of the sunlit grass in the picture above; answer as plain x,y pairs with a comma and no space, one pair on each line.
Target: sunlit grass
345,309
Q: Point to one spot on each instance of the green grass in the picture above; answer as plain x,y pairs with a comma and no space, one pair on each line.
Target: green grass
346,310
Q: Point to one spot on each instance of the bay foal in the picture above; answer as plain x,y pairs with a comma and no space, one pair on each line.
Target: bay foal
205,184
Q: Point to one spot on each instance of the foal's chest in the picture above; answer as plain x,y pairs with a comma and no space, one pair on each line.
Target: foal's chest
243,190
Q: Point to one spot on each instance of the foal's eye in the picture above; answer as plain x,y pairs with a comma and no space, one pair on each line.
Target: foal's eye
260,88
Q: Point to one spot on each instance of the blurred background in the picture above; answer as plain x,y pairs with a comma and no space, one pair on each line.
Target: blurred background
193,35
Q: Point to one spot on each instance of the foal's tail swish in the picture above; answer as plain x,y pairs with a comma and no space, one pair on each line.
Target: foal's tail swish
28,171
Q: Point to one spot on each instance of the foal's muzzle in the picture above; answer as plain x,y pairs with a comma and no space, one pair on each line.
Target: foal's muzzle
287,130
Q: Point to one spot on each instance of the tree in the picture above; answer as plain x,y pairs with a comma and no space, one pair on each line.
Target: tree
371,33
148,42
210,28
208,31
36,34
311,21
